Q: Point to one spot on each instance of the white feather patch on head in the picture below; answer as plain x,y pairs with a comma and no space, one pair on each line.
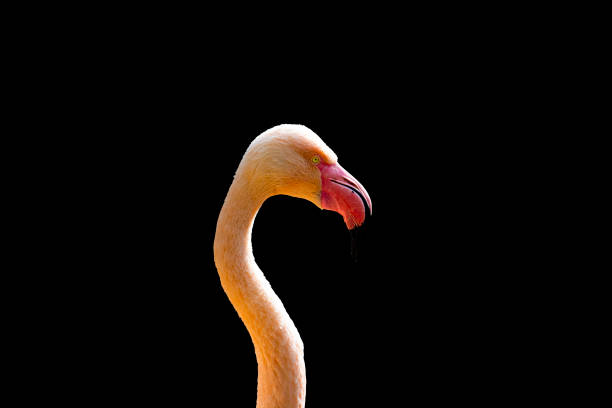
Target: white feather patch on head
298,136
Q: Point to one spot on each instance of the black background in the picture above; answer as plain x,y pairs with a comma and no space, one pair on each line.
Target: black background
149,143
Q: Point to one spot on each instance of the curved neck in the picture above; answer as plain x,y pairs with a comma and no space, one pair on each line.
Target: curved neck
278,347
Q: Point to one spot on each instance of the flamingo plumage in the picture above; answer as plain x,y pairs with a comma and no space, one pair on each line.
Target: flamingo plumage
290,160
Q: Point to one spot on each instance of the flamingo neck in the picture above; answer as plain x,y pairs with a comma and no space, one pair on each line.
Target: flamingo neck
278,346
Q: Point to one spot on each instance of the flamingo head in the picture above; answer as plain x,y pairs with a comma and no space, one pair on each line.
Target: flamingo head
292,160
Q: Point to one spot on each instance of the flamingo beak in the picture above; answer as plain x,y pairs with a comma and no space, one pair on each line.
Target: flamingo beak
342,193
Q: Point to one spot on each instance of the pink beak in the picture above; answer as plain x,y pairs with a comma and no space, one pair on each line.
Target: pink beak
342,193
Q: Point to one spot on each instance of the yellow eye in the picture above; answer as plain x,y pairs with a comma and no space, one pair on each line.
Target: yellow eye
316,159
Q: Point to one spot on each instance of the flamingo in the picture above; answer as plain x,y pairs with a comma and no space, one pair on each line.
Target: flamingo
290,160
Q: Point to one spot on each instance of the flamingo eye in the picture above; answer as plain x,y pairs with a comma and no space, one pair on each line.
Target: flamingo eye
316,159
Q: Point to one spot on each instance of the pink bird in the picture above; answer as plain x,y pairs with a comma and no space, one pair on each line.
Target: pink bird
290,160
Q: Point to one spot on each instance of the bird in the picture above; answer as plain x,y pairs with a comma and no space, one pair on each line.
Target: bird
287,160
